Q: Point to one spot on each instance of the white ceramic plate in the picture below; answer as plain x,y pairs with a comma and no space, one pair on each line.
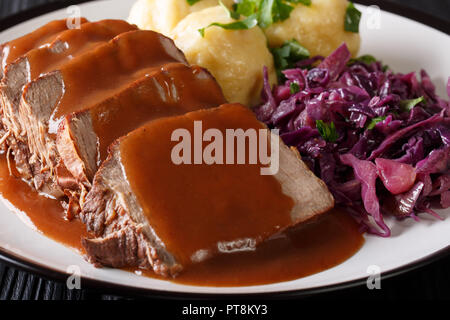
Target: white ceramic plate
403,44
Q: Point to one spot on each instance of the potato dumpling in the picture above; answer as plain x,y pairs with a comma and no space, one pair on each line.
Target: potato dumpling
235,57
163,15
319,28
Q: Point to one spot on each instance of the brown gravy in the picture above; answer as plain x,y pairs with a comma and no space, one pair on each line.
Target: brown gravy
302,251
46,214
110,68
200,210
170,90
74,42
42,36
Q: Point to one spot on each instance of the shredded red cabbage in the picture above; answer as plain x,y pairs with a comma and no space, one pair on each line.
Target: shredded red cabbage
380,140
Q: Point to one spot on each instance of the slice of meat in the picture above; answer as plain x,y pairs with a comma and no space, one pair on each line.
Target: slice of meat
148,210
66,46
83,82
173,89
42,36
14,49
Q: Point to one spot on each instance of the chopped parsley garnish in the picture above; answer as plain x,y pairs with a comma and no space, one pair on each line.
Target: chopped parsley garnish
327,131
367,59
352,18
374,122
295,88
192,2
247,23
304,2
288,54
407,105
246,8
231,13
258,12
272,11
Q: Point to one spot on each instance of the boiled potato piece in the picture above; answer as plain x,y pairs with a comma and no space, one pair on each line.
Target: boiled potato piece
163,15
234,57
319,28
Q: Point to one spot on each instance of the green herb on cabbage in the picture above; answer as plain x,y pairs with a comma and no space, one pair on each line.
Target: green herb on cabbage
407,105
287,55
367,59
294,87
327,131
374,122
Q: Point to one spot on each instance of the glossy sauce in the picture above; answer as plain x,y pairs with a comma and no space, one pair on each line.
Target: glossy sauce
72,43
199,210
307,249
110,68
173,89
301,251
46,214
40,37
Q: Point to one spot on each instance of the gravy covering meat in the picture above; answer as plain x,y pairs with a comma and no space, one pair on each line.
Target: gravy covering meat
170,90
87,119
232,207
39,61
73,43
148,210
299,252
43,36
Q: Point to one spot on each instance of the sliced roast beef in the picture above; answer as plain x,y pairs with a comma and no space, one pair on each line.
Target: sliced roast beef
81,83
66,46
147,209
173,89
14,49
42,36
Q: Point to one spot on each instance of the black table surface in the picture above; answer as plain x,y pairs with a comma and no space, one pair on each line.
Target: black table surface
428,282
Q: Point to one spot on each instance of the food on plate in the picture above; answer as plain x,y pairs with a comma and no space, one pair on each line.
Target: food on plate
226,37
42,36
90,117
173,89
13,49
148,211
66,103
83,82
163,16
43,59
318,27
235,58
355,121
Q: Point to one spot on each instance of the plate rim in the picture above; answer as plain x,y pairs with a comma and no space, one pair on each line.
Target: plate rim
28,265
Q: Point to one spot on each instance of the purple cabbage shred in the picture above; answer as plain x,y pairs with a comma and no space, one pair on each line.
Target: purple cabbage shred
377,114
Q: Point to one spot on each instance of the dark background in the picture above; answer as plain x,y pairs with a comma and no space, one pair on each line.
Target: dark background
428,282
